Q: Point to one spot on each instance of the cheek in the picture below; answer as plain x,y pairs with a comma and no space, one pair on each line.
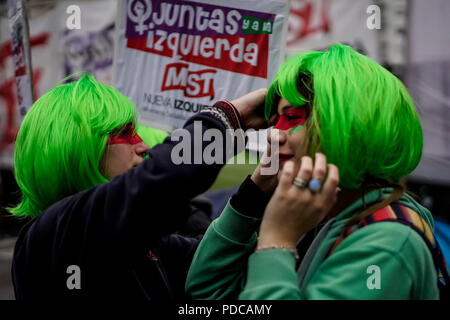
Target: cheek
126,153
119,152
119,157
296,140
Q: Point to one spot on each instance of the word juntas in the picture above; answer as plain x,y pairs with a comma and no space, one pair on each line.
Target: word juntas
198,18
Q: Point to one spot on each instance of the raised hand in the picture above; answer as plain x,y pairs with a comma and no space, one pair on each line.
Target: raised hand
294,209
251,109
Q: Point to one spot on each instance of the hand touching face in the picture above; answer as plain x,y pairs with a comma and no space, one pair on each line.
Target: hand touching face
294,210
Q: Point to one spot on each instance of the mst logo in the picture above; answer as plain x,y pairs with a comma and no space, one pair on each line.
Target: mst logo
195,84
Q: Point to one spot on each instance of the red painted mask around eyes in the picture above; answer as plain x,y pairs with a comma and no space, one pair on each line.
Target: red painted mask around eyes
291,118
129,136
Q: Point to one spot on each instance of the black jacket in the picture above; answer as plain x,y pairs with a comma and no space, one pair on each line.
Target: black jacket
119,234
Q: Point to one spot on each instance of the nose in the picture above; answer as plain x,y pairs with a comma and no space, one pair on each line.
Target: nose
141,149
277,135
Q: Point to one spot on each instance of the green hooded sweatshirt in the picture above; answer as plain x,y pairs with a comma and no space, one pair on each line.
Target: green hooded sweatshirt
385,260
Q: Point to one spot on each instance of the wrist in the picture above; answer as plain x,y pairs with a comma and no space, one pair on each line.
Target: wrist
232,113
265,241
264,187
291,249
250,200
225,112
280,236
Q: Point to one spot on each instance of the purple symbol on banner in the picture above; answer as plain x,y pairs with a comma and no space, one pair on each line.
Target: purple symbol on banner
138,13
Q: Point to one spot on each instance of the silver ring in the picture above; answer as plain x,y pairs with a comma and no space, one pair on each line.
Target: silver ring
300,183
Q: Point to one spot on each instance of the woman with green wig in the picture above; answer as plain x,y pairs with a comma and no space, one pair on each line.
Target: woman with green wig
335,222
104,209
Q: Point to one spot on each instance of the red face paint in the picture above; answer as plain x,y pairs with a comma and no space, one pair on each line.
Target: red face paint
127,136
291,118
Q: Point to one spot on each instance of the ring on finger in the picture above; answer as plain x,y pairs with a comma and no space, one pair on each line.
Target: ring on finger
314,185
300,183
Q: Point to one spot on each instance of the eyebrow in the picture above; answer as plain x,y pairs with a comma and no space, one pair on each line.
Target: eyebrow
123,128
284,108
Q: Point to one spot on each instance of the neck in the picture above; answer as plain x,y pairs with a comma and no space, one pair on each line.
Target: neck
345,198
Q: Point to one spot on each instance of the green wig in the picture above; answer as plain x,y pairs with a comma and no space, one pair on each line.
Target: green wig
61,140
362,117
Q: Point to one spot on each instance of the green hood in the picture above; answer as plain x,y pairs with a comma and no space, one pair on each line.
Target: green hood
342,218
377,196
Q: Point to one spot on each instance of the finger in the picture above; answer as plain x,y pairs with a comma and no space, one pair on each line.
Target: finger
273,119
260,95
259,124
253,99
287,175
265,159
269,148
332,182
320,166
272,144
305,169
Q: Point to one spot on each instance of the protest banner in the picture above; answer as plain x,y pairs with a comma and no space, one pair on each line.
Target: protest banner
174,58
20,51
57,52
317,24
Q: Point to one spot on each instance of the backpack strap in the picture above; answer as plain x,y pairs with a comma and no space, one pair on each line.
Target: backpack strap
396,212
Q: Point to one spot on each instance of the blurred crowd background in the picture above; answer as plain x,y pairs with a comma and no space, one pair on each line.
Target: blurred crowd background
413,42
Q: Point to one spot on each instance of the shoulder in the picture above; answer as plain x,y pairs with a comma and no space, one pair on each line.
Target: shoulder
386,235
392,240
58,216
389,250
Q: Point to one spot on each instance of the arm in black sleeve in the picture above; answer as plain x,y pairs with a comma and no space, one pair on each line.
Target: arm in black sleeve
176,253
250,200
147,201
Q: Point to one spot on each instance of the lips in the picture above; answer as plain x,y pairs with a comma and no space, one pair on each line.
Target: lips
284,157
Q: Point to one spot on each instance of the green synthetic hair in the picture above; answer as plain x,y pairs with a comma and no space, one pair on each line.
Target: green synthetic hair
61,140
362,117
151,136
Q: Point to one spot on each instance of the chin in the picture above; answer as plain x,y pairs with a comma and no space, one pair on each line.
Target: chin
281,166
